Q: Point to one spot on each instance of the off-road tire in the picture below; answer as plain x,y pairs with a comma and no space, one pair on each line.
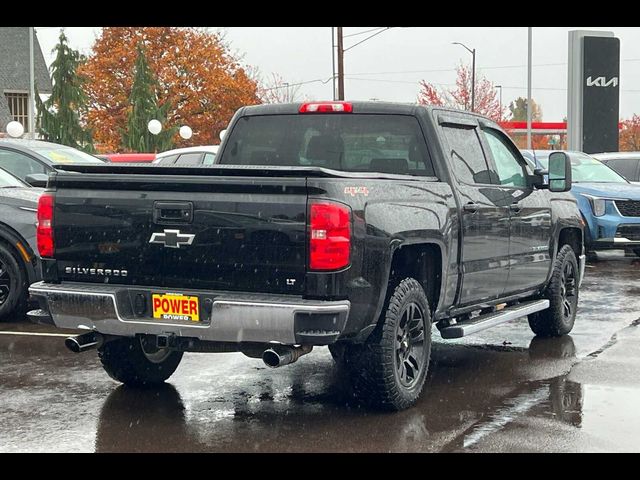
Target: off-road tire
376,367
125,360
337,351
13,285
562,293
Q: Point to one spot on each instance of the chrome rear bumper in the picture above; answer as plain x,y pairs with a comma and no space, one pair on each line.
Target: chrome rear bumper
232,317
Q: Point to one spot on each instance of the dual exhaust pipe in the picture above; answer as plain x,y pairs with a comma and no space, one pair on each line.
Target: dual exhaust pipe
281,355
84,342
274,357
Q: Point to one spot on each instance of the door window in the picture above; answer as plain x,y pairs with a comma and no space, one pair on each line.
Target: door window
626,168
209,159
510,171
467,157
188,159
19,164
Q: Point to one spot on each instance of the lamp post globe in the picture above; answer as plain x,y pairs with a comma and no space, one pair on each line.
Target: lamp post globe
15,129
186,132
154,126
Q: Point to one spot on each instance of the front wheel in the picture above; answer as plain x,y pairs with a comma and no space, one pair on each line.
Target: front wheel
390,369
562,292
137,363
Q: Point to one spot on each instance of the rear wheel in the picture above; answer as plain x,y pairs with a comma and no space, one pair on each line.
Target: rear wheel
137,362
13,285
562,292
390,369
337,352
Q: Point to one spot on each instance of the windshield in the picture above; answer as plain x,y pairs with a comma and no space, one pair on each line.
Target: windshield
585,169
355,143
8,180
66,155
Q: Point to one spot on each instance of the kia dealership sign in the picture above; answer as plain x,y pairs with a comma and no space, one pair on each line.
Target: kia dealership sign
594,91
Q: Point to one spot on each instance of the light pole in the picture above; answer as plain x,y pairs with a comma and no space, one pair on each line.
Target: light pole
473,73
286,94
500,87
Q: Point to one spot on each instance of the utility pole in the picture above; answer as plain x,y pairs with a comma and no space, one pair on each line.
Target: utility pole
333,60
529,109
340,65
32,89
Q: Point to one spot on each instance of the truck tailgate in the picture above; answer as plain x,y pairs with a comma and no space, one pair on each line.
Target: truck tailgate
236,233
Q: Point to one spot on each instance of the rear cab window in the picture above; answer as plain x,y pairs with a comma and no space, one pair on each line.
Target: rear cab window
348,142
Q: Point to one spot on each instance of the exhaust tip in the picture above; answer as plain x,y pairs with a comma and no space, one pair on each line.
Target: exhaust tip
72,344
271,358
83,342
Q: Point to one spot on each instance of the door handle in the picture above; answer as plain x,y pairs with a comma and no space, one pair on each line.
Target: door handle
172,212
515,207
471,207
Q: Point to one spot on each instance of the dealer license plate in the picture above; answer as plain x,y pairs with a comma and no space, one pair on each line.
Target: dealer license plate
175,307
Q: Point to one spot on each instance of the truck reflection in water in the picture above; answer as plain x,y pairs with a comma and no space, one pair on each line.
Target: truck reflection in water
471,392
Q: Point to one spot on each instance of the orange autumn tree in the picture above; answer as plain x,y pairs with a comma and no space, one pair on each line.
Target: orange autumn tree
486,97
203,83
630,134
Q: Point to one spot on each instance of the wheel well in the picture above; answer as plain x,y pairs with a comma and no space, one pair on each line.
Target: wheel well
422,262
571,237
21,263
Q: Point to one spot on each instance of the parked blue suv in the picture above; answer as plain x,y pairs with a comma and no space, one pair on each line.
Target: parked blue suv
609,204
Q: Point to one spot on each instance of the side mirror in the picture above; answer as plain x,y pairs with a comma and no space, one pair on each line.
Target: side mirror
559,172
37,179
222,134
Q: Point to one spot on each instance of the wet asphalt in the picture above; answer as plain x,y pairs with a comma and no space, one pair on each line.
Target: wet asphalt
502,390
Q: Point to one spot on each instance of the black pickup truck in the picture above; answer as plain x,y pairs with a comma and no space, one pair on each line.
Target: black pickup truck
353,225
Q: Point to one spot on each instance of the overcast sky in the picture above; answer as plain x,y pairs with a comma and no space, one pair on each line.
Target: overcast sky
390,65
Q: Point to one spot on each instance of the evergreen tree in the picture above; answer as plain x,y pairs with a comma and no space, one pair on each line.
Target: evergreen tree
60,118
144,107
518,109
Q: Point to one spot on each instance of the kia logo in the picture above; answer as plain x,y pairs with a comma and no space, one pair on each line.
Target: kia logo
602,82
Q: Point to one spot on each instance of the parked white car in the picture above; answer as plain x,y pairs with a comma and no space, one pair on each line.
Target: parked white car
626,164
189,156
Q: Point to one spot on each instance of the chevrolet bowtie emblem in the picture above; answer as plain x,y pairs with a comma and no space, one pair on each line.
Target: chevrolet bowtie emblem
172,238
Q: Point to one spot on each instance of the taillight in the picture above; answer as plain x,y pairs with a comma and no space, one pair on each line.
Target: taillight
326,107
330,236
44,230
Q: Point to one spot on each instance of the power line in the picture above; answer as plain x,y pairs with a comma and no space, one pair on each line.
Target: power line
364,31
454,85
494,67
300,83
370,36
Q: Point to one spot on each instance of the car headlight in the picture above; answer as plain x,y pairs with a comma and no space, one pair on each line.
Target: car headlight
598,205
